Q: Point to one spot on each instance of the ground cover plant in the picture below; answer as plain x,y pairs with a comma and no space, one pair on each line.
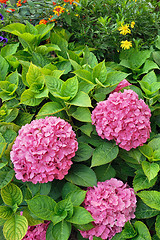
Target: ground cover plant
79,148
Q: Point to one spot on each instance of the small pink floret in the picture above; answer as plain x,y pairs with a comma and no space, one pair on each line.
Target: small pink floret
43,150
122,84
37,232
112,203
124,118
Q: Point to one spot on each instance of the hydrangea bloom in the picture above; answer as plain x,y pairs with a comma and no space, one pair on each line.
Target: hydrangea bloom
124,118
43,150
122,84
112,203
37,232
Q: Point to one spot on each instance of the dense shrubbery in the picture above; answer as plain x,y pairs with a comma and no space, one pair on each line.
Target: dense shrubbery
79,135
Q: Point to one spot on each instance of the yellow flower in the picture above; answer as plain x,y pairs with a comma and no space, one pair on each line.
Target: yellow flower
50,19
124,29
58,10
132,24
126,44
43,21
135,0
75,3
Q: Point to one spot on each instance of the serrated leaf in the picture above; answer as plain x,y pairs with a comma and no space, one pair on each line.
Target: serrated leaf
6,177
83,153
31,221
141,181
77,197
28,98
5,212
82,114
82,100
143,211
151,198
11,194
61,230
80,216
70,87
15,227
142,230
49,109
150,169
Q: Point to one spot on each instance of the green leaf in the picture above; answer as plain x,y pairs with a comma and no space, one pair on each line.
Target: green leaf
114,78
146,150
142,230
53,83
56,218
154,143
143,211
44,29
61,230
28,98
151,198
84,227
85,75
104,153
23,118
133,156
83,153
81,175
32,74
12,115
3,68
15,227
157,226
140,181
82,100
9,49
100,72
14,28
49,235
82,114
80,216
156,155
11,194
77,197
64,206
149,65
89,58
49,109
87,129
68,188
3,145
150,169
31,221
6,177
104,172
70,87
42,206
5,212
128,231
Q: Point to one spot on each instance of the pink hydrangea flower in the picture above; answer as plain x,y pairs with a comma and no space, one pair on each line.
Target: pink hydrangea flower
43,150
37,232
124,118
112,203
122,84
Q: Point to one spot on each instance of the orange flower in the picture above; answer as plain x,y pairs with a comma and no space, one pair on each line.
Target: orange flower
10,10
50,19
43,21
69,1
19,4
58,10
24,1
3,1
54,3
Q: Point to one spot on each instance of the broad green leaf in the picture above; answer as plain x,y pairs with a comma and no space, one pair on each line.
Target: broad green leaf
114,78
70,87
61,42
49,109
5,212
157,43
80,216
100,72
9,49
140,181
154,143
14,28
3,68
11,194
105,153
3,164
7,87
133,156
157,226
53,83
151,198
142,230
44,29
149,78
83,153
81,175
149,65
42,206
144,211
64,205
82,114
146,150
15,227
49,235
82,100
3,145
104,172
85,75
129,231
77,197
13,78
6,177
150,169
32,74
12,115
56,218
84,227
31,221
156,155
87,129
89,58
23,118
28,98
61,230
69,188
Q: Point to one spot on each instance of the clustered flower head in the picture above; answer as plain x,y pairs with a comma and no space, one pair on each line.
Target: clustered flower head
124,118
43,150
58,10
37,232
122,84
3,1
42,21
112,203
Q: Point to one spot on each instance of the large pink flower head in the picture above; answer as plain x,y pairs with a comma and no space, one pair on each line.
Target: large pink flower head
112,203
122,84
43,150
37,232
124,118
